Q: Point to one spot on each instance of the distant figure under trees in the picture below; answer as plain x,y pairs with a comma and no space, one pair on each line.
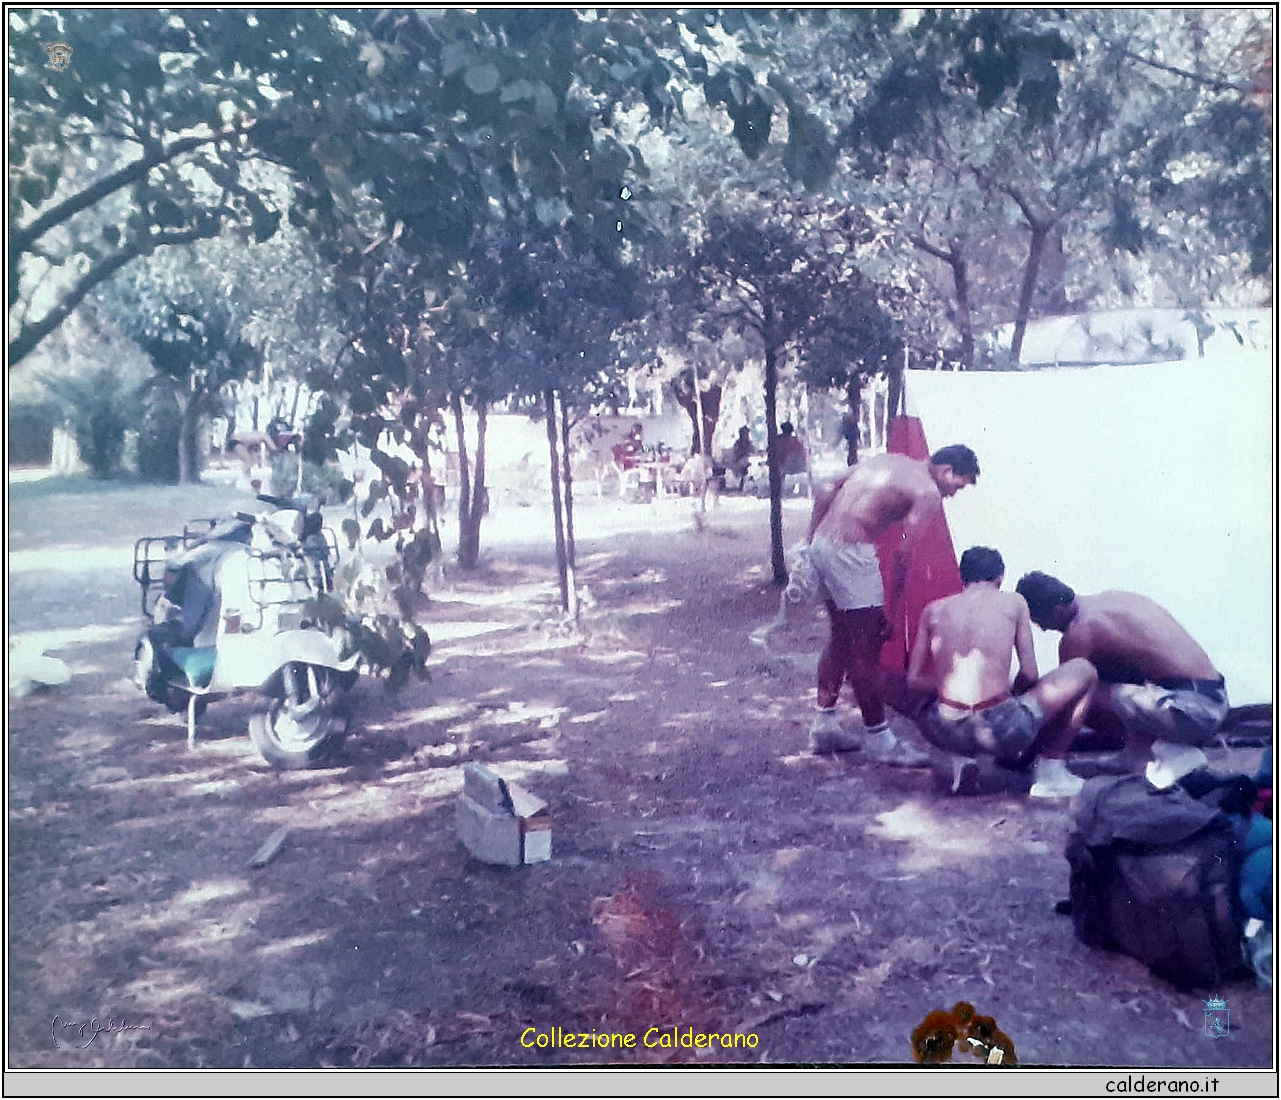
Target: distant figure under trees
849,433
741,454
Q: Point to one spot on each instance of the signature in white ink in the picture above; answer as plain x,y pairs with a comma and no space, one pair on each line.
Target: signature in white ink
93,1028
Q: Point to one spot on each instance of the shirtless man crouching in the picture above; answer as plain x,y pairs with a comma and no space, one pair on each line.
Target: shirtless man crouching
847,520
1155,681
962,652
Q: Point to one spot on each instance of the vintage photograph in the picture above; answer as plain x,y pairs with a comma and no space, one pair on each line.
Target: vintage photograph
641,538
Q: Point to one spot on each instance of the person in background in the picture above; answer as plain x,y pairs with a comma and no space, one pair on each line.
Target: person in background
849,433
634,444
740,454
791,451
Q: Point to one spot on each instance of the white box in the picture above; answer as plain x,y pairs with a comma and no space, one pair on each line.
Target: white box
500,822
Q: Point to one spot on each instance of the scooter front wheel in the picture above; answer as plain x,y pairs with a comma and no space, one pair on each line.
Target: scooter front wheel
296,733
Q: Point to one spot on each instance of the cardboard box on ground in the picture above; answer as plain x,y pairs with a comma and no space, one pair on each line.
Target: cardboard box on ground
501,822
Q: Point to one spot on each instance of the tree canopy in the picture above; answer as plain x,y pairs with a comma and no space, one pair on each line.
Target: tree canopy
1102,133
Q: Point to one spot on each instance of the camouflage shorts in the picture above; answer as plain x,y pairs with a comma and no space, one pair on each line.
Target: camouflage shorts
1006,730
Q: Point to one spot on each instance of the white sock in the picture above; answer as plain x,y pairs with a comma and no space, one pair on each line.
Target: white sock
882,734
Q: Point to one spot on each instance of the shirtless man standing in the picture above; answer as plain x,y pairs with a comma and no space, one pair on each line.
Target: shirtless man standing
1154,679
962,653
846,522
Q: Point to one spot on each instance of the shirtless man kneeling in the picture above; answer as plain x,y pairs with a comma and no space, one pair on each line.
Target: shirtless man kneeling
1155,681
844,526
962,653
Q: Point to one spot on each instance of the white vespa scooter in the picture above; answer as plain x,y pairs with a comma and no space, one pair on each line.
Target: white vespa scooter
234,607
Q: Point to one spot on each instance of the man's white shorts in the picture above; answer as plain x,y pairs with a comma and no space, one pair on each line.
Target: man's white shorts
849,573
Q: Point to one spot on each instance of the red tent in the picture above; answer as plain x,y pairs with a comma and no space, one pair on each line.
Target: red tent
933,572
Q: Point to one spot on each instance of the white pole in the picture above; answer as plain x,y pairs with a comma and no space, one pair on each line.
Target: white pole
704,445
903,387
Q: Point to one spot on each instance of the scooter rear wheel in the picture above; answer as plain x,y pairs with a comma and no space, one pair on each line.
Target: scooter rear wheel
293,742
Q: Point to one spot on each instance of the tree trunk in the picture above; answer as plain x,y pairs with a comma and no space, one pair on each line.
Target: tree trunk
431,495
894,397
700,436
464,479
188,450
562,559
1053,272
469,521
689,403
854,405
1040,230
955,259
960,277
710,401
571,579
231,429
777,558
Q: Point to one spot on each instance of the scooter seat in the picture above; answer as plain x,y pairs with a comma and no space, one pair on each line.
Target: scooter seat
197,664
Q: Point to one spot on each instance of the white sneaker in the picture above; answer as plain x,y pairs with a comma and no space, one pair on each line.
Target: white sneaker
1171,762
828,735
1053,780
888,749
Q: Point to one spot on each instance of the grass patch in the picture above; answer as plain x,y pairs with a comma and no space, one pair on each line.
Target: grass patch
70,485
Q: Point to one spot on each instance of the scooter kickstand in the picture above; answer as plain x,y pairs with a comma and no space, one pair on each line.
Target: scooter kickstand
191,723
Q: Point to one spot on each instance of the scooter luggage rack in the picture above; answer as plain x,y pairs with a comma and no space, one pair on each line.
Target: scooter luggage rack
265,591
150,555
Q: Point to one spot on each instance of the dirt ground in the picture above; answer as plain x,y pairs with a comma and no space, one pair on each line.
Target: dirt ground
708,871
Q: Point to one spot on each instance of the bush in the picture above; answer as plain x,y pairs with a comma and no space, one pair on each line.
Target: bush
158,439
98,407
325,482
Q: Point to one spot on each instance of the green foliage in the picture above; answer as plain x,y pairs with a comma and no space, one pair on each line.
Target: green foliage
388,642
323,481
785,271
735,87
98,407
409,140
139,143
566,308
159,433
1103,148
1000,56
196,353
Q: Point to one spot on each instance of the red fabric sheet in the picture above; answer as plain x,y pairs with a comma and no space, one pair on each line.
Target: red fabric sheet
933,572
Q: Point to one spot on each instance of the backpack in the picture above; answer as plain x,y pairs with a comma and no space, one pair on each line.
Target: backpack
1154,876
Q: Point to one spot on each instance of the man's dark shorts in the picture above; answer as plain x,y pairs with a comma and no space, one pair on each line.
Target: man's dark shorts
1005,730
